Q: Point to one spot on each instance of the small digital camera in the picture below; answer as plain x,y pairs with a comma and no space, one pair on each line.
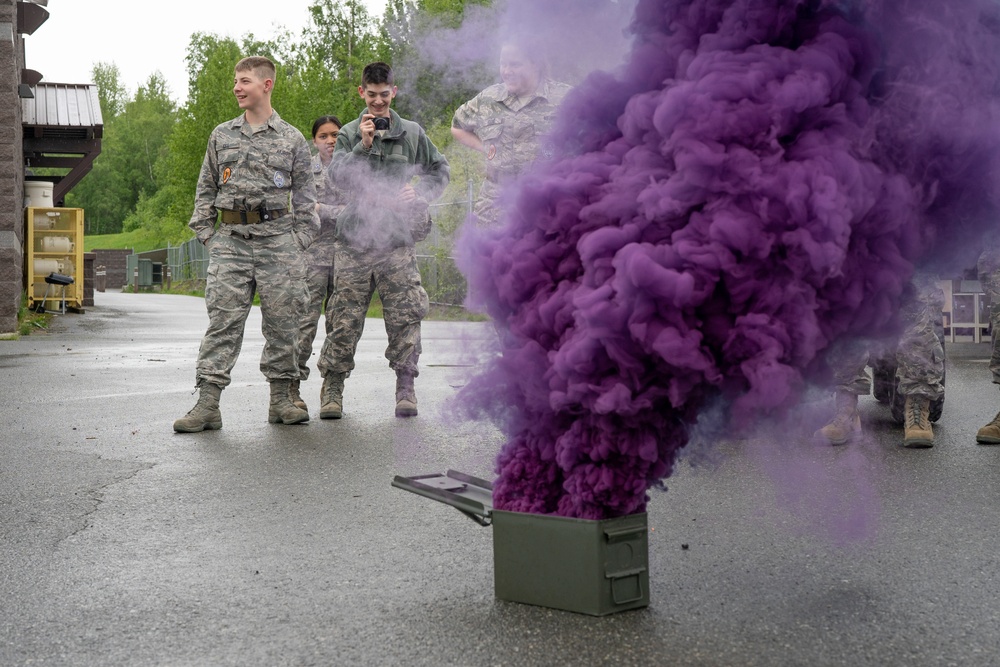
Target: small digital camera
381,123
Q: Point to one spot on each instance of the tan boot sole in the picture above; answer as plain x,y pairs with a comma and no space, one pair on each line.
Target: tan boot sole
207,426
275,418
850,436
327,412
406,409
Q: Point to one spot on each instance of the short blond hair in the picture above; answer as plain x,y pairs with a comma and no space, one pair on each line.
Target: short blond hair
259,65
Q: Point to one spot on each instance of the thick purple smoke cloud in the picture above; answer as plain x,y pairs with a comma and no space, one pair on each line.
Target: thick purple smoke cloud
758,183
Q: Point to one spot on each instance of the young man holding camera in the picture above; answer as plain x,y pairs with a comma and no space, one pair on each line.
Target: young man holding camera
388,170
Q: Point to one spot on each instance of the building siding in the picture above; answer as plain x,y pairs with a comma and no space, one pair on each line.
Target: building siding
11,171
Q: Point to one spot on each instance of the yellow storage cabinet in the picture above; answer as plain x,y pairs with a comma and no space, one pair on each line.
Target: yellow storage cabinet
54,244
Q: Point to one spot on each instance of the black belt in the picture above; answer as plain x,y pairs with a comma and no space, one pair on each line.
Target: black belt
245,217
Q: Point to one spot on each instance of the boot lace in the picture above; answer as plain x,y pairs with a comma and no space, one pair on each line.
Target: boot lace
201,404
843,421
916,415
845,416
329,392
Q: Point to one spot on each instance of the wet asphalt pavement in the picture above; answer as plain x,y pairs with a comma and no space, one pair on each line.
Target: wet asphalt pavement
123,543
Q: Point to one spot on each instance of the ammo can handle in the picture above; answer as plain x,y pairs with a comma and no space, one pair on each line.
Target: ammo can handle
618,534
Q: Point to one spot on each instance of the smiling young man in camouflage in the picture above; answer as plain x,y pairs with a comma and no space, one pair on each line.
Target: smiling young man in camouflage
257,177
389,170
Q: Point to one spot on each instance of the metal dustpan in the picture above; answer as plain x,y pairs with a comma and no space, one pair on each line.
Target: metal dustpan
470,495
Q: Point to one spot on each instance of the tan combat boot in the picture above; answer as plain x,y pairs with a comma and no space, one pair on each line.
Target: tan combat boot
406,396
331,398
282,411
917,425
295,396
205,415
990,434
846,424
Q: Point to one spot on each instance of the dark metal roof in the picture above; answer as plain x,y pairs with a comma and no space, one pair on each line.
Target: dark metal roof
63,128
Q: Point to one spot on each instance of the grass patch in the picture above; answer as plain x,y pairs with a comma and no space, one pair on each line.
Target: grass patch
375,307
186,288
442,312
138,240
29,321
33,322
438,312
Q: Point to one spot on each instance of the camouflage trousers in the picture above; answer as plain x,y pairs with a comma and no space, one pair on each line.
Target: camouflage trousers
487,206
320,280
988,268
918,354
238,268
359,273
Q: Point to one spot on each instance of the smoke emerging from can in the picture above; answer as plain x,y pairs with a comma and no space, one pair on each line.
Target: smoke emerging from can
758,183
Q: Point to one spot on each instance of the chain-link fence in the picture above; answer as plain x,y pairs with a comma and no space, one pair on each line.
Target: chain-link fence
445,285
188,261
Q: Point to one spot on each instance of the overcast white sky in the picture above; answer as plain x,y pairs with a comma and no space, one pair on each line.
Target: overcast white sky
143,37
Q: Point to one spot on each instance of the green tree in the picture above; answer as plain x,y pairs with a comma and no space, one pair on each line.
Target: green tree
341,38
135,135
153,152
102,197
419,36
111,92
143,130
210,61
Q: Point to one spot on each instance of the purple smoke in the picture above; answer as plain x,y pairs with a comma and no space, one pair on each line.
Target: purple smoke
757,184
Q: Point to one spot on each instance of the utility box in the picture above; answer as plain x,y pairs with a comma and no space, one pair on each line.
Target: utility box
139,271
145,273
594,567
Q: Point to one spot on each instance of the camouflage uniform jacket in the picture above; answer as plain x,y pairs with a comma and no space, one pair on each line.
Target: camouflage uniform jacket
370,181
510,126
270,168
330,205
329,197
